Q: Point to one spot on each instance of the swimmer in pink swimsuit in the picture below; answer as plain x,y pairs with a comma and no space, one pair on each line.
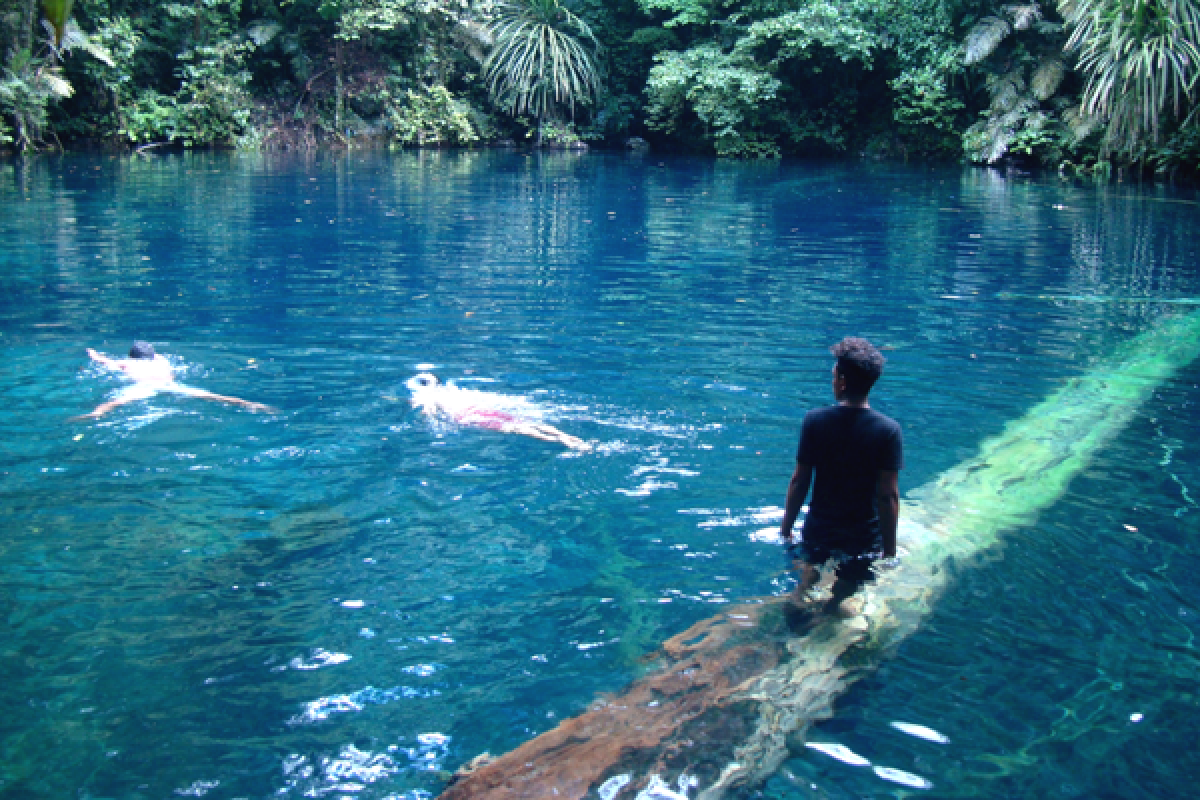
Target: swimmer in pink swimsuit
435,398
487,418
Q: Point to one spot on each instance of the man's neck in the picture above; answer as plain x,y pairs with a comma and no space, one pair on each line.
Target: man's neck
847,402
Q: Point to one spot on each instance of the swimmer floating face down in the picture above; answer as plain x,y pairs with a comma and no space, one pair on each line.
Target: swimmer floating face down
151,374
495,412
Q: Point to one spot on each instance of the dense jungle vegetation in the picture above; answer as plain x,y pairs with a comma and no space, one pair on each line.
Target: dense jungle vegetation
1079,85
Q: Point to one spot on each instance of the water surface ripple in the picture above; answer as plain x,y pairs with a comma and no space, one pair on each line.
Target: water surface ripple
344,599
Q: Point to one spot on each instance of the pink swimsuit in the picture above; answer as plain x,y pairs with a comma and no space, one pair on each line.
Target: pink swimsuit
486,418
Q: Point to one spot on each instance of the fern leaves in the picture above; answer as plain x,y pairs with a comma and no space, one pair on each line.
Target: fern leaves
984,38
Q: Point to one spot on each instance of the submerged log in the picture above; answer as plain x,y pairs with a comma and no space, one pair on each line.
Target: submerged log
735,690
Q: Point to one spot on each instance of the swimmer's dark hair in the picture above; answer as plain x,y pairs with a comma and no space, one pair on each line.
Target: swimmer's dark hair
141,349
859,362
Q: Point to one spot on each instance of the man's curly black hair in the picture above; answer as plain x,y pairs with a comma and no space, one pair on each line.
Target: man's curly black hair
859,362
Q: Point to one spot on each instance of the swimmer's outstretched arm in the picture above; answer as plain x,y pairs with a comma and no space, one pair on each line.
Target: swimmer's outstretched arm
233,401
100,358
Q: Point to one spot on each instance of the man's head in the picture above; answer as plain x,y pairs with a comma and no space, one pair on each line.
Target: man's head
859,365
141,350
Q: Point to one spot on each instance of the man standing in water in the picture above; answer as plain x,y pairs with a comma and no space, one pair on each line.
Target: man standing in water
151,373
855,455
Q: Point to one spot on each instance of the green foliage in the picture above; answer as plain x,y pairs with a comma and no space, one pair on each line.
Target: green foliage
430,116
27,88
839,27
927,111
784,82
213,104
540,60
1141,61
725,92
737,78
150,117
1179,156
1019,53
357,19
559,134
984,38
654,38
686,12
121,41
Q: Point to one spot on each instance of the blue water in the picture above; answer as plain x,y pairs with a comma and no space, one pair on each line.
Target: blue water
347,599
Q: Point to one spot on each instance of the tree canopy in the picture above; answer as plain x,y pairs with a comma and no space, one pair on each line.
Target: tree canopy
1080,85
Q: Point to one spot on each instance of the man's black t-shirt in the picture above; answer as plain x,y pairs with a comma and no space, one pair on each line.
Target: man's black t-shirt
847,448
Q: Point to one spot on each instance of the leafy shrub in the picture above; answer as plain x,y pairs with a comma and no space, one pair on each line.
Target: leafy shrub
430,116
121,40
27,87
1179,156
726,93
927,112
150,117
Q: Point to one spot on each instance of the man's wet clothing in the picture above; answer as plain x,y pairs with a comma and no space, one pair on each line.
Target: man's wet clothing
847,448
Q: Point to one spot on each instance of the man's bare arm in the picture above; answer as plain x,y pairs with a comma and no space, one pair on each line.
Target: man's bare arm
236,401
100,358
797,491
887,494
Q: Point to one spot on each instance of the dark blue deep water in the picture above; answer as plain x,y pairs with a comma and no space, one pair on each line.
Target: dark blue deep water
345,599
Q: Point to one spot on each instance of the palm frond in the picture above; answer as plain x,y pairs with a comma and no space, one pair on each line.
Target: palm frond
53,82
88,45
985,37
71,37
1141,64
538,61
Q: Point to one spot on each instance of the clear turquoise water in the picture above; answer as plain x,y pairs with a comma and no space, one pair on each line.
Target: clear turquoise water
342,599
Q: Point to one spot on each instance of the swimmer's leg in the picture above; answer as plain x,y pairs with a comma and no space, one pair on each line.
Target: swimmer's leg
104,408
548,433
123,397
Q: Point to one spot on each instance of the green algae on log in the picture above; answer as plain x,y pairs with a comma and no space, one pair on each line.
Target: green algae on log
733,691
